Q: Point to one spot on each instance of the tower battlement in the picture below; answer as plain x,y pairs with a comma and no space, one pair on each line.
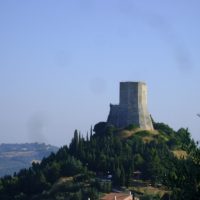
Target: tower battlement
132,108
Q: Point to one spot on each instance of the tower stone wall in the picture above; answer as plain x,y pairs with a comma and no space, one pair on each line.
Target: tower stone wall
132,108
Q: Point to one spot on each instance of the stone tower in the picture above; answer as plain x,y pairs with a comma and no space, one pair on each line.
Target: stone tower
132,108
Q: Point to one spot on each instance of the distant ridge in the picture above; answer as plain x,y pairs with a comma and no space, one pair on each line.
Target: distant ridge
14,157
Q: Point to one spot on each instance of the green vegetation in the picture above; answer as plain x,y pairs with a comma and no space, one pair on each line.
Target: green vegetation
91,166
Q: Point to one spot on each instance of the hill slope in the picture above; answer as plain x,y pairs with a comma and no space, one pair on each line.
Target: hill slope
108,160
14,157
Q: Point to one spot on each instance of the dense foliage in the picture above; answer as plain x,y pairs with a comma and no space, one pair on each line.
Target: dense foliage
104,155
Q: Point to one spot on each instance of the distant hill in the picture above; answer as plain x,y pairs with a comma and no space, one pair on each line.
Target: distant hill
14,157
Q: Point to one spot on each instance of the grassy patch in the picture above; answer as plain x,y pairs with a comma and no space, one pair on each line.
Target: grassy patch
146,189
180,154
146,135
127,133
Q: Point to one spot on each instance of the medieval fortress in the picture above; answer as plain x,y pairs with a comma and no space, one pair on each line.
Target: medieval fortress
132,108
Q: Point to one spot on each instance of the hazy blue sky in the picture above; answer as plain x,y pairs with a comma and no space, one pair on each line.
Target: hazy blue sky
61,63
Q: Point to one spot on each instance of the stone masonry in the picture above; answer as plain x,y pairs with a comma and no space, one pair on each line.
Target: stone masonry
132,108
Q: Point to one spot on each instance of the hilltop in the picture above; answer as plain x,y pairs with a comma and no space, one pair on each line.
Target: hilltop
148,163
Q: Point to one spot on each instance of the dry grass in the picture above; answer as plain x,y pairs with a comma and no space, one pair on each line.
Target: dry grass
146,135
180,154
150,190
147,139
128,133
